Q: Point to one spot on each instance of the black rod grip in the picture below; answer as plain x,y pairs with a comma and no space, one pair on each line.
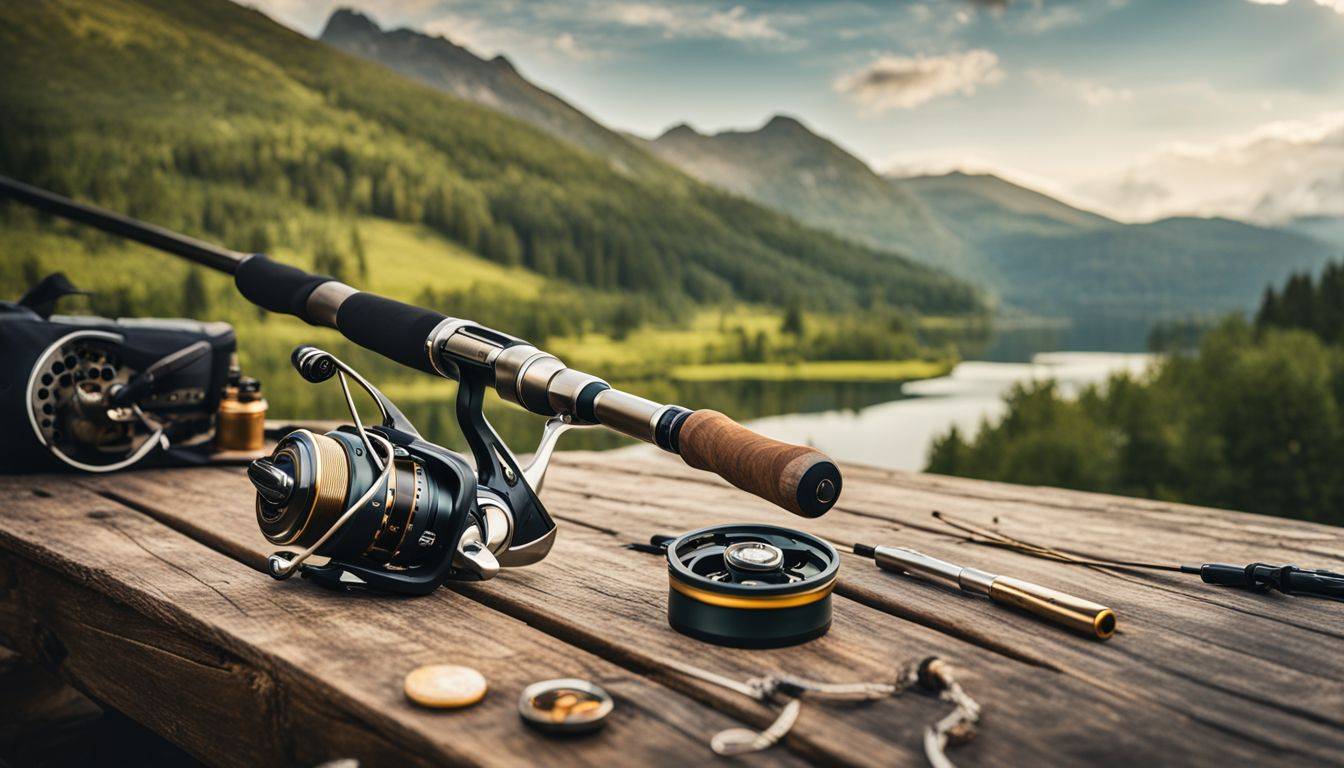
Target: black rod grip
394,330
275,286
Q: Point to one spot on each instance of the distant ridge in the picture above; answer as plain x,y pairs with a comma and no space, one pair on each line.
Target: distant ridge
440,63
1049,257
1027,248
247,126
786,166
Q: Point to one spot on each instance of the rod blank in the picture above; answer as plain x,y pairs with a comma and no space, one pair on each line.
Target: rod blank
203,253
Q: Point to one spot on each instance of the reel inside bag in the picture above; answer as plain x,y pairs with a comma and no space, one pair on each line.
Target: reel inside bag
100,400
754,586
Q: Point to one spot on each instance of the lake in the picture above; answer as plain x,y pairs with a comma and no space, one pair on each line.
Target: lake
897,434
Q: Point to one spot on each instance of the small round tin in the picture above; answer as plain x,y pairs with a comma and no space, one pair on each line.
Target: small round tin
565,706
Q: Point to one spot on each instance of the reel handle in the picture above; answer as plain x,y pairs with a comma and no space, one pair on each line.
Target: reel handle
313,364
144,382
798,478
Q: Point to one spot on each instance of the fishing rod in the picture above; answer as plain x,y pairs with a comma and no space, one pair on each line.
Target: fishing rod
394,511
1288,579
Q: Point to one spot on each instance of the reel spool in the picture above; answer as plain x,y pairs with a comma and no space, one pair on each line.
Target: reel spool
750,586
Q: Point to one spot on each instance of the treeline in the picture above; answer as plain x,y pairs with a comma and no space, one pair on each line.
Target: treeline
1309,304
211,118
881,333
1253,420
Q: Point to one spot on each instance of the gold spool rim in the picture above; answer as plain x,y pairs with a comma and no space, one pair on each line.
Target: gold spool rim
764,602
331,477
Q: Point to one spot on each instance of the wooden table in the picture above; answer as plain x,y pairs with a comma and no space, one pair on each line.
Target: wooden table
144,590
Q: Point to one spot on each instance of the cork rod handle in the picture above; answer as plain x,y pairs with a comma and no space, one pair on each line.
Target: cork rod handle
797,478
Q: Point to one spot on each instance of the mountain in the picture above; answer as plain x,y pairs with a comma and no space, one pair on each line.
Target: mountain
1048,257
1328,229
211,118
783,165
440,63
786,166
984,209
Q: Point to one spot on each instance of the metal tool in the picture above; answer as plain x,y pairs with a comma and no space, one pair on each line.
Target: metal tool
1082,616
932,675
1288,579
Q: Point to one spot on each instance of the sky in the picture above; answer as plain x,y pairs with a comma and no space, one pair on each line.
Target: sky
1137,108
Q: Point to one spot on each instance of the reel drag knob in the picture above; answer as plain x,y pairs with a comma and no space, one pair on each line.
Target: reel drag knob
273,480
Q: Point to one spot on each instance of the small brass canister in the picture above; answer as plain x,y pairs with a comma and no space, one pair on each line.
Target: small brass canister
241,425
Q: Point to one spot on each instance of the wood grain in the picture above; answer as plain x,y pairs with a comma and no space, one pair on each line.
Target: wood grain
242,670
1196,676
1253,666
597,595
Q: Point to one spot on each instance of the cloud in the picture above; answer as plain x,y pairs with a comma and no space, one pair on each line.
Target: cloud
903,82
1277,172
694,21
1335,5
1089,92
567,44
1049,19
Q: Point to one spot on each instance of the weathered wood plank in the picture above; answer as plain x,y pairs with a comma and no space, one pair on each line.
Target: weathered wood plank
1244,663
596,594
241,670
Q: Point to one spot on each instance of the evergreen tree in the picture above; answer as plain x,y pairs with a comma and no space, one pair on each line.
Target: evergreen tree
195,299
360,255
793,320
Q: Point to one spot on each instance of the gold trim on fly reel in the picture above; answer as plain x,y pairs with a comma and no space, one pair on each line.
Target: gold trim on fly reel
753,603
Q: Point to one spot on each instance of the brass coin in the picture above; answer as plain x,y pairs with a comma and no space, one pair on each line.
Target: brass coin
445,686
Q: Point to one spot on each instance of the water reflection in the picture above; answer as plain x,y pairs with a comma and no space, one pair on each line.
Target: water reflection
897,434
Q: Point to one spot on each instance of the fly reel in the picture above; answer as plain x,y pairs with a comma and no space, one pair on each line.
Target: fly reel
392,511
752,586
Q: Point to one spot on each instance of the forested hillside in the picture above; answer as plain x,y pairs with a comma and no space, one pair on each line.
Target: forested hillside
209,117
1252,419
494,83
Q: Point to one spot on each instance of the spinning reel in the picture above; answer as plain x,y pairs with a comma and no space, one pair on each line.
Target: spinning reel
389,509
